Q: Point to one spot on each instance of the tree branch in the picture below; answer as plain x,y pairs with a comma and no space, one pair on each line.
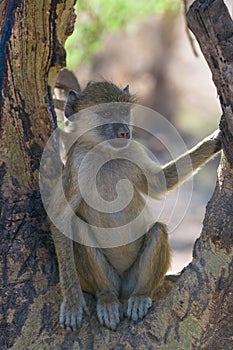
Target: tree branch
212,25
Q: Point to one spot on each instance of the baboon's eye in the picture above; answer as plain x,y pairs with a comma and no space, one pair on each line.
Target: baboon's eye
107,113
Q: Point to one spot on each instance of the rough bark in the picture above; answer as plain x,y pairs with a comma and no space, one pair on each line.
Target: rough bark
197,313
32,35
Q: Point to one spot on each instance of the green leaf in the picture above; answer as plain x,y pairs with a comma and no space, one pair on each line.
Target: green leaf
96,18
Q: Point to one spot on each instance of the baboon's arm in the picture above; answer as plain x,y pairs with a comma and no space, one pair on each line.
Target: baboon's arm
155,181
180,169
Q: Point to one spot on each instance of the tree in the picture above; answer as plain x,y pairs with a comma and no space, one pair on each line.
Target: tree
197,313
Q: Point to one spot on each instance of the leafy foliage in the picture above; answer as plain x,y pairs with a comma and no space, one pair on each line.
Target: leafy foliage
95,18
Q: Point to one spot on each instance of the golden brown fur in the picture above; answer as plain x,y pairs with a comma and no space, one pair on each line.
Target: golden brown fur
131,271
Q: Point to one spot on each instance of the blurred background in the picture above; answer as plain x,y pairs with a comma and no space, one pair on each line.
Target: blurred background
145,45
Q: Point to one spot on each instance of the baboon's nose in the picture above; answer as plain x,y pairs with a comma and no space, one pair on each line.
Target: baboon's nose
123,132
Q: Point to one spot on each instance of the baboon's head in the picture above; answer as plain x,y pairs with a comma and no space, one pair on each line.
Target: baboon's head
101,112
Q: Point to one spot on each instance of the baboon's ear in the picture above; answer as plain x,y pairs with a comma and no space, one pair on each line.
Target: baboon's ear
126,89
71,105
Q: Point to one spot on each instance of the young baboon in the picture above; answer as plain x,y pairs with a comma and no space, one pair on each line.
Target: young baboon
130,271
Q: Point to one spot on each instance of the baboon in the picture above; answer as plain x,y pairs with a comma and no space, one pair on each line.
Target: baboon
123,277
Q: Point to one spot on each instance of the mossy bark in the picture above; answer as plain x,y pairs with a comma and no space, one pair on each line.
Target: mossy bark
197,313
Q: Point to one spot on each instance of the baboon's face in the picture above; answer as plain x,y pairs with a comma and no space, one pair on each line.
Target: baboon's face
115,128
101,112
105,122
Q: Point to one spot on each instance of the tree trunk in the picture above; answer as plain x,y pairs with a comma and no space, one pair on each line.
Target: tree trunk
32,35
198,312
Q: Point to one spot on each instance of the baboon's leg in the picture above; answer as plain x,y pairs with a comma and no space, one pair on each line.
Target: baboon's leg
98,277
146,274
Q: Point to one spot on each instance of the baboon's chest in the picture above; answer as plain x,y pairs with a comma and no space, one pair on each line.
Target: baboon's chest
112,199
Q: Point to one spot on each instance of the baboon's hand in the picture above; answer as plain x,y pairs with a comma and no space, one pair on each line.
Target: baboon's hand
109,312
216,136
71,313
138,307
